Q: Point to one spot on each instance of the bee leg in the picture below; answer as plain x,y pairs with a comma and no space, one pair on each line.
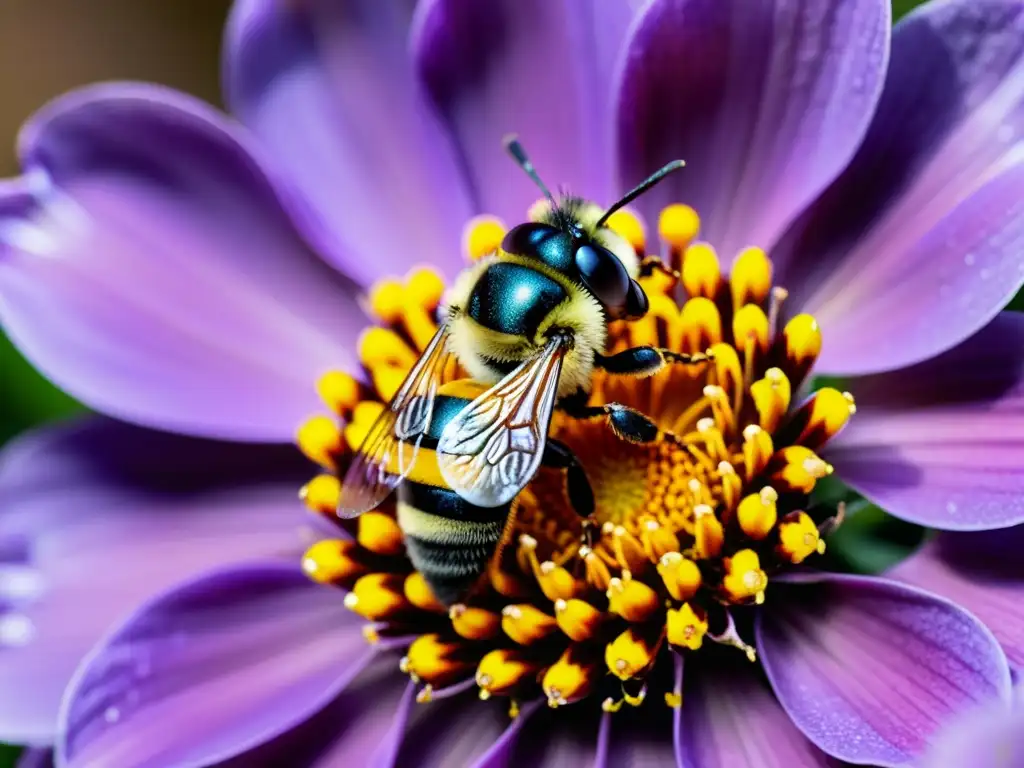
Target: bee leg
558,455
627,424
645,361
651,264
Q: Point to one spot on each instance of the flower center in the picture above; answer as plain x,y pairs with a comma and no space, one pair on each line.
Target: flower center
685,534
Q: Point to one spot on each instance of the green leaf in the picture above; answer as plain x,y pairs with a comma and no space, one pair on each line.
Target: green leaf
901,8
9,755
28,398
870,540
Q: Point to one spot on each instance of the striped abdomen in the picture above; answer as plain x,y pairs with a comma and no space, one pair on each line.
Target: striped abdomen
448,540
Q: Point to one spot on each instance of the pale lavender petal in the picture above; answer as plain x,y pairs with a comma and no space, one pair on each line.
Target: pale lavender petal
871,670
942,443
766,101
731,719
990,736
211,669
330,89
156,276
981,571
98,516
458,731
918,244
531,67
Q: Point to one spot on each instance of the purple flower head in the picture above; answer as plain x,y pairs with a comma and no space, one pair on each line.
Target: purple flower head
852,198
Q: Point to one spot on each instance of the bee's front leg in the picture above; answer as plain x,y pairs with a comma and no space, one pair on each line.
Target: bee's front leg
558,455
646,361
627,423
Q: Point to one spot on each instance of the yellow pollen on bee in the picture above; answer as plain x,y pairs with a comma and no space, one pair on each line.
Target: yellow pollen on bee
482,236
799,538
685,627
744,578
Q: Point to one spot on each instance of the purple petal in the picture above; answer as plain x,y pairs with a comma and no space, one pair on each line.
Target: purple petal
942,443
330,89
766,101
457,731
982,572
156,276
231,659
870,670
98,516
538,739
36,758
531,67
362,727
989,736
731,719
918,244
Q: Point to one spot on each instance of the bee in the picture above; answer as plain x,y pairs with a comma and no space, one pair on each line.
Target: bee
531,321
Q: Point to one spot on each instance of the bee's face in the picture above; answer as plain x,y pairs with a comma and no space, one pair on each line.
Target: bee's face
571,250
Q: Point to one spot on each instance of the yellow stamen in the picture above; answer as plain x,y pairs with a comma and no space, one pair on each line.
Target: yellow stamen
386,301
657,540
630,654
571,678
757,513
424,287
681,576
708,532
757,450
339,391
801,468
803,340
628,550
678,225
628,226
474,623
686,628
824,415
482,236
732,485
578,619
382,346
526,624
744,578
362,420
321,494
320,440
502,671
436,661
799,538
331,561
750,326
419,593
728,371
701,323
378,596
380,533
598,575
632,600
771,398
702,274
751,277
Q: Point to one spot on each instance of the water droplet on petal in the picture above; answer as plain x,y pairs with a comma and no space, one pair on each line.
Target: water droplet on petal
951,507
112,714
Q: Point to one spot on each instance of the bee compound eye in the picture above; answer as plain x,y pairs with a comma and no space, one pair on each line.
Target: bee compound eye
637,302
604,275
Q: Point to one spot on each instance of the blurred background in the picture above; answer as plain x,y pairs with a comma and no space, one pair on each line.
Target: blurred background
50,46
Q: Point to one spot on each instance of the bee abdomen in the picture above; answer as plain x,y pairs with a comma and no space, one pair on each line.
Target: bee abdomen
451,553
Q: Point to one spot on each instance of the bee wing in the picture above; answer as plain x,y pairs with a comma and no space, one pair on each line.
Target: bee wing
389,449
493,447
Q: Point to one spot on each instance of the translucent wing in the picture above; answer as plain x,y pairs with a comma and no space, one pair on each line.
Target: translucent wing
389,449
492,448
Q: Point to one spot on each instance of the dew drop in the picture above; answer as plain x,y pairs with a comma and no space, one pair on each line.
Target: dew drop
19,582
112,714
969,259
951,507
985,273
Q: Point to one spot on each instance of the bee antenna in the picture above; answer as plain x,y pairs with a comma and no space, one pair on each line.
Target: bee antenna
514,148
638,190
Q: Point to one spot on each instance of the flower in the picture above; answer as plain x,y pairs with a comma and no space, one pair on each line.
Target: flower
170,267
